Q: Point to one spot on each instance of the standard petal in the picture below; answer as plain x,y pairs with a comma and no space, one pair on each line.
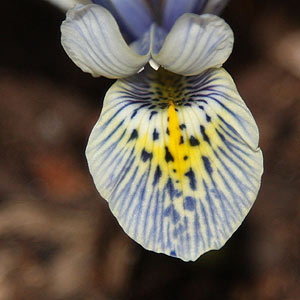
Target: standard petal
151,42
92,39
173,9
177,159
195,44
135,14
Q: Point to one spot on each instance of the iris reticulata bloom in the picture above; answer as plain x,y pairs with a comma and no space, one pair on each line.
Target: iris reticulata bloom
175,150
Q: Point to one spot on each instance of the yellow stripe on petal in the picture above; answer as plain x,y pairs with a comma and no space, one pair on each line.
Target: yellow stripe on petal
177,159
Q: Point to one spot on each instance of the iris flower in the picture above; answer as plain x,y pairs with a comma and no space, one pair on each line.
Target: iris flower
175,150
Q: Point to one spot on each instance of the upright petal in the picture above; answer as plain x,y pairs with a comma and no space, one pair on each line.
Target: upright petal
195,44
92,39
134,14
151,42
177,159
174,9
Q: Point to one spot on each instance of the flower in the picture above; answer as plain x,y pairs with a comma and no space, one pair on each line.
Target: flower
92,39
175,150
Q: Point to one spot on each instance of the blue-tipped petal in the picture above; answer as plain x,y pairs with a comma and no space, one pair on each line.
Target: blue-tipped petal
92,39
195,44
173,9
134,15
177,159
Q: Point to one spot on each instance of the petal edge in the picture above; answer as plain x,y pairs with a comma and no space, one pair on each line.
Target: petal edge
195,44
92,39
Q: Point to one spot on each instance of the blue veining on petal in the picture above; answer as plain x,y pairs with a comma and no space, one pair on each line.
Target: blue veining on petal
151,41
173,9
195,43
129,166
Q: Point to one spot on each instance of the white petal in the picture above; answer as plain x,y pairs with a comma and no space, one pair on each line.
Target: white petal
195,44
92,39
177,160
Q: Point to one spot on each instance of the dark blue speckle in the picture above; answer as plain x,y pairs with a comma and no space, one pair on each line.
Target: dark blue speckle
189,203
170,187
146,155
155,135
157,175
191,176
134,114
152,114
194,141
207,165
134,135
168,155
205,137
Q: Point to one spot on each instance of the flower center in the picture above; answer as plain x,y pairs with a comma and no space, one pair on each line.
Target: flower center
169,88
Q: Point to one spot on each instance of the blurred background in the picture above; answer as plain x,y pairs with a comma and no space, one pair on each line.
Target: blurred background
58,239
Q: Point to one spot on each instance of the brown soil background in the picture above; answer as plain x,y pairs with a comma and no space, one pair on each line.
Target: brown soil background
58,239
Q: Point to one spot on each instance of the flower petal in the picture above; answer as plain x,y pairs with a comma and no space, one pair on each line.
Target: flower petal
92,39
174,9
196,43
177,160
151,41
135,14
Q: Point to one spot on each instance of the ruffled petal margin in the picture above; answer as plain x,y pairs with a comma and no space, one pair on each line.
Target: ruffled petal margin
177,159
92,39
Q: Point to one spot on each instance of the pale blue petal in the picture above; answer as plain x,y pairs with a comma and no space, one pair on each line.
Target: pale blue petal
177,159
195,44
174,9
92,39
151,41
134,14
